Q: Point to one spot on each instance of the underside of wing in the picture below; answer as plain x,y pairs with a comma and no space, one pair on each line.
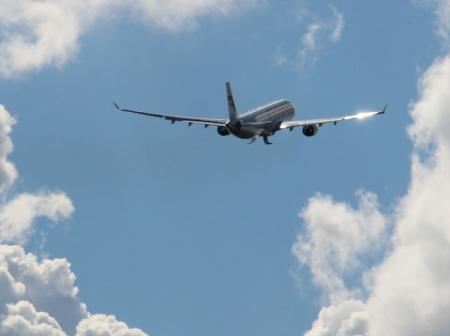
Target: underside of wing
174,118
319,122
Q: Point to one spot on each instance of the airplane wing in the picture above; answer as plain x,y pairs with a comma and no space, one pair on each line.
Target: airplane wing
173,118
319,122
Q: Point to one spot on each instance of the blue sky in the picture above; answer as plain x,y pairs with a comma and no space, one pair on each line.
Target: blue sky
178,230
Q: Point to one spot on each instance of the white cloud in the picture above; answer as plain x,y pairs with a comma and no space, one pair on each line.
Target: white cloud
179,14
347,318
321,29
48,285
415,273
10,290
319,35
34,34
17,215
442,12
8,172
335,235
39,297
105,326
309,38
23,319
338,26
408,293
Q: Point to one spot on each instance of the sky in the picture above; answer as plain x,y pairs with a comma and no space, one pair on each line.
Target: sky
122,225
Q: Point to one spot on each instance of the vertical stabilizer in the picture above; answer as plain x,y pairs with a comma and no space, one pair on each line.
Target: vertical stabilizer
231,105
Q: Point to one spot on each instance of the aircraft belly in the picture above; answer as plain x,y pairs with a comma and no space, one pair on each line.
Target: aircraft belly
247,132
266,133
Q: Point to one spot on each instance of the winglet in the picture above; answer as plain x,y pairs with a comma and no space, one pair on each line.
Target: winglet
116,106
384,110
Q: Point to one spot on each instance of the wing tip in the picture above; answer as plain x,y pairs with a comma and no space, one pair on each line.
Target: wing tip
116,106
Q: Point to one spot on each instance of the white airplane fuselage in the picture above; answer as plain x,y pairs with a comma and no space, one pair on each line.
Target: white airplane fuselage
262,121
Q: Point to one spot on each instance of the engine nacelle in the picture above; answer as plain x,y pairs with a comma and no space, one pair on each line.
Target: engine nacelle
310,130
223,131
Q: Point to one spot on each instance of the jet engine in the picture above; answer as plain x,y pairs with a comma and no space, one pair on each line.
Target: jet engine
310,130
222,130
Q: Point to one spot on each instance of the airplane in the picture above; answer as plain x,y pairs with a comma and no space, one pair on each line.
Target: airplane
263,121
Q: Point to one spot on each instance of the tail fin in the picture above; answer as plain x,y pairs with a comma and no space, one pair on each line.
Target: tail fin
231,105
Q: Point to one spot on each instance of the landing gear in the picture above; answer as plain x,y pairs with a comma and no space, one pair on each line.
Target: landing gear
266,140
253,140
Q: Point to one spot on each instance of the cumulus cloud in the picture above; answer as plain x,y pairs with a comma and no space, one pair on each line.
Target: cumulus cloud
105,326
35,286
346,318
335,236
408,292
34,34
414,274
23,319
39,297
